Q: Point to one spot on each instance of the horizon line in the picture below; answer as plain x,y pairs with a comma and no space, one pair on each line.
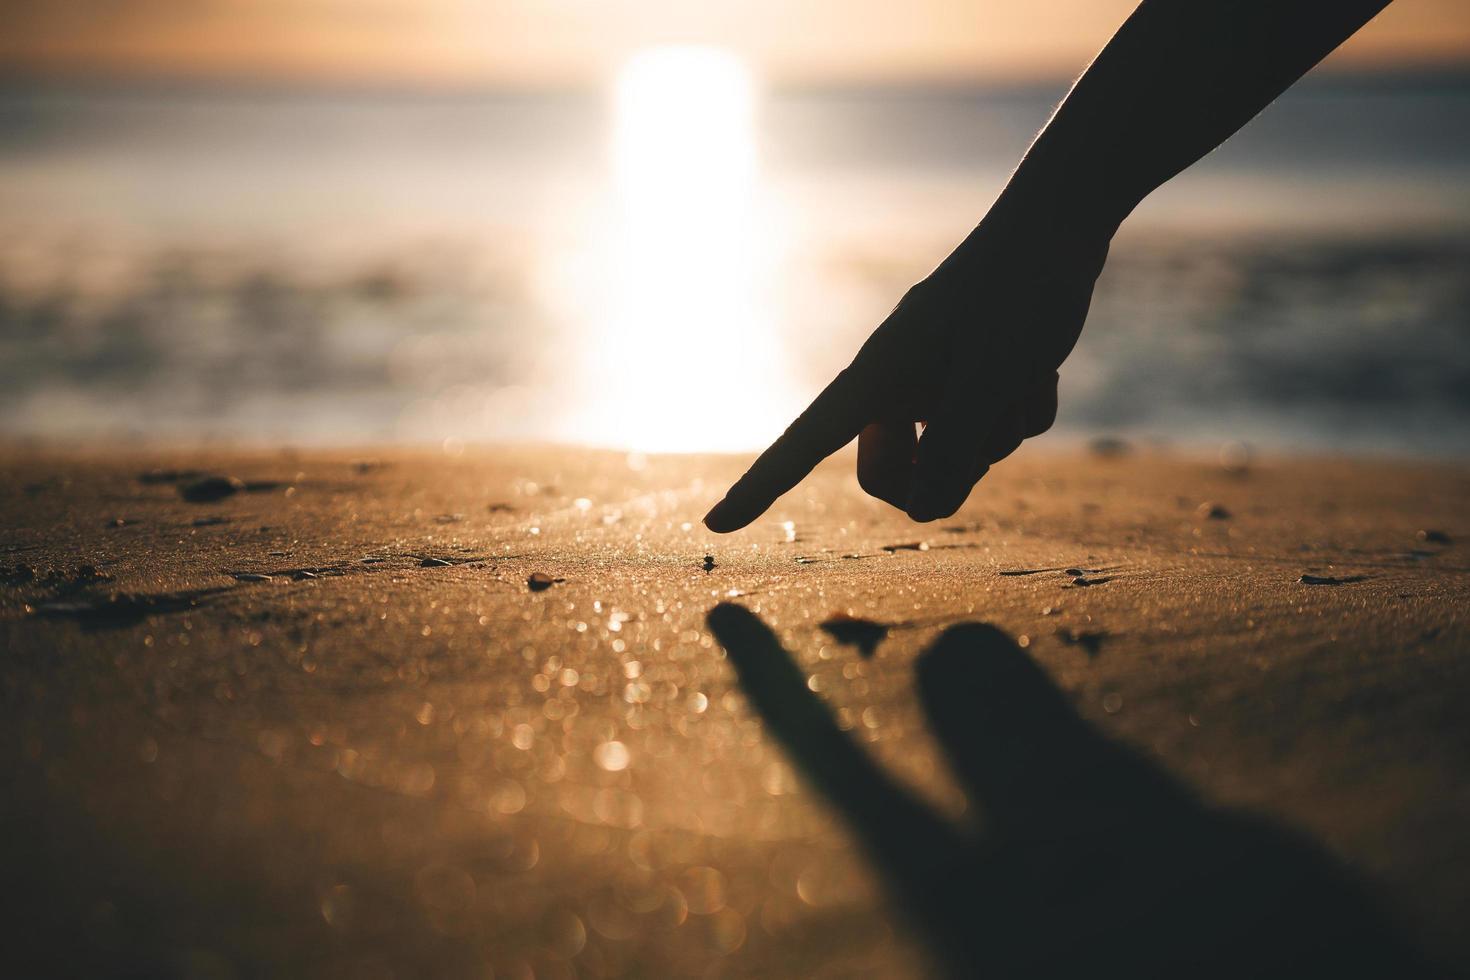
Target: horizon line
1452,72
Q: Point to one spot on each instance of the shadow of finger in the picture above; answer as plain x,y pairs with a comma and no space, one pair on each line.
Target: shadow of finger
1093,857
1032,766
911,845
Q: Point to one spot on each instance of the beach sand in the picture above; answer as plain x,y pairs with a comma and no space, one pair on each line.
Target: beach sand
323,726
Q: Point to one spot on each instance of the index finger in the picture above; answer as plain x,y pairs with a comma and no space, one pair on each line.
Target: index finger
831,421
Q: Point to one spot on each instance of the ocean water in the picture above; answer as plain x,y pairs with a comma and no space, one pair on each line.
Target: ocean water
327,267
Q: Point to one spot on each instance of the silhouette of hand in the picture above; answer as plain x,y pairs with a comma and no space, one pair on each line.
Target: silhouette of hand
1087,859
971,352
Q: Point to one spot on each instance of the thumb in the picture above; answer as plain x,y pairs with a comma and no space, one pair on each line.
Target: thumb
946,469
950,458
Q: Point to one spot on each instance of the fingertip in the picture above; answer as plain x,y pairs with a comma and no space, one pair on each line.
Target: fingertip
737,510
937,499
924,507
924,511
720,519
728,615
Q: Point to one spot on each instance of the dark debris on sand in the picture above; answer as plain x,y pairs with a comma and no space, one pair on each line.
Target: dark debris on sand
158,476
540,581
1109,447
1090,641
119,609
854,631
17,575
64,581
208,489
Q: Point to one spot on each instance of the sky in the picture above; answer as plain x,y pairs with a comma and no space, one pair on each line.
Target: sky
527,43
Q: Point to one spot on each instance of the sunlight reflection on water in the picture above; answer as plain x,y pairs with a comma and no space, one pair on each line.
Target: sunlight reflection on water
686,265
681,348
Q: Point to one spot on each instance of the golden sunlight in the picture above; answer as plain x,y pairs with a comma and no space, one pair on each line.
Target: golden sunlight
684,354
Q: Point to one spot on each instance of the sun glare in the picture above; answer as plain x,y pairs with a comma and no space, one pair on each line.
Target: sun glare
684,355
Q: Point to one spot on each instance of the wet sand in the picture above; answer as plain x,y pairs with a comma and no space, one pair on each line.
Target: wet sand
323,726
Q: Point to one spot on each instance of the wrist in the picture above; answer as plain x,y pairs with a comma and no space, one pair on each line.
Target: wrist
1040,230
1065,206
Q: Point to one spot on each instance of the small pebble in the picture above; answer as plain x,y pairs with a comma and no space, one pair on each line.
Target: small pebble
210,488
1435,537
1235,457
19,574
1213,512
252,577
434,563
1326,580
303,575
540,582
1109,447
1075,572
1089,640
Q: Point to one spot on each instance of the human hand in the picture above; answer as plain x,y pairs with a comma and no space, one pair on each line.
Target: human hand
971,352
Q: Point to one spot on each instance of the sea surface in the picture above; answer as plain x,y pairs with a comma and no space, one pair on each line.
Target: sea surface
324,267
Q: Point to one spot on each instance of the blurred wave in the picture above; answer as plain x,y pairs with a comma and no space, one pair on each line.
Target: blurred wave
326,268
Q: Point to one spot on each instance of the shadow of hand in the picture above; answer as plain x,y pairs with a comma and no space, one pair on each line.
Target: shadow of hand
1090,858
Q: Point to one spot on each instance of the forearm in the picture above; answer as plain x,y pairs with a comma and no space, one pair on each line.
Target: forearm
1178,79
